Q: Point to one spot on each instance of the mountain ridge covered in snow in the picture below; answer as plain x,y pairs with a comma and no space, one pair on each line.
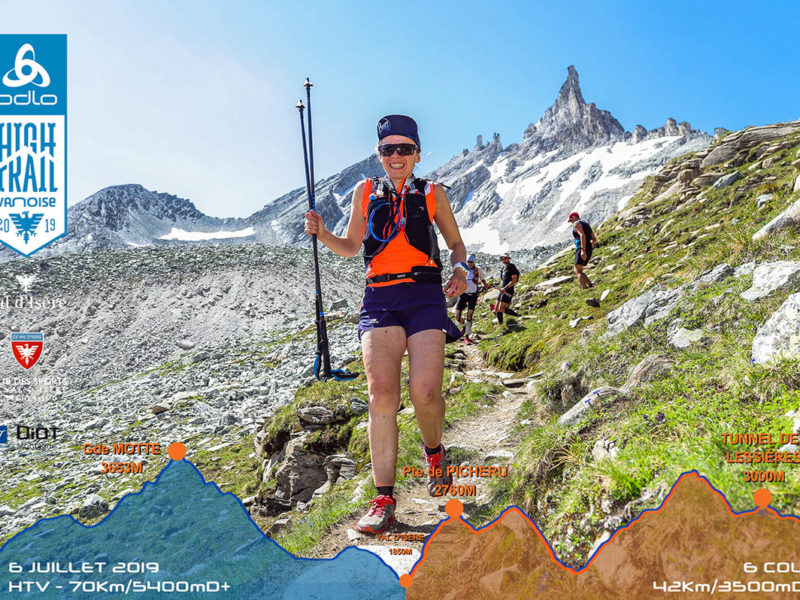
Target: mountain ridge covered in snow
575,157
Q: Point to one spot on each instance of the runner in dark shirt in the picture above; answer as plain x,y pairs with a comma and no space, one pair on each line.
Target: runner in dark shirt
585,241
509,276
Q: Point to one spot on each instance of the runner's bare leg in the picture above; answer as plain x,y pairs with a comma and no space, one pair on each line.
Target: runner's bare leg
383,349
425,371
583,279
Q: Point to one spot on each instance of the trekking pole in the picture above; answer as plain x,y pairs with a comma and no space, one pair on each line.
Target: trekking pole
312,199
322,334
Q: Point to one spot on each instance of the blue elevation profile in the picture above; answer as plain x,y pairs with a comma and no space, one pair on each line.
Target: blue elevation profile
203,541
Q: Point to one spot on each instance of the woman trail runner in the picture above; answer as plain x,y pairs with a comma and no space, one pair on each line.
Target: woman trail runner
404,307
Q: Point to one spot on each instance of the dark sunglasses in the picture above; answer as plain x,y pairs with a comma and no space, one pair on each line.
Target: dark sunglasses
402,149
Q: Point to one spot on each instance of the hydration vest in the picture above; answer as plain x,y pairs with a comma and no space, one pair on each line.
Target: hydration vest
587,230
400,242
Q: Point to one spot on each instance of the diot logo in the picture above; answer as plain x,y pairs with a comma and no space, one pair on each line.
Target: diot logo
21,65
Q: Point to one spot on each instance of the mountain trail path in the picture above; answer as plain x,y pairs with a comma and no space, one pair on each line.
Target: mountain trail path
486,436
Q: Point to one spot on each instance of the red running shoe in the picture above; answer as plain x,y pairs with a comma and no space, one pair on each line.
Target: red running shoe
437,484
379,516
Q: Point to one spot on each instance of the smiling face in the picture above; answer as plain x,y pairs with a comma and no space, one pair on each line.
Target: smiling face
398,167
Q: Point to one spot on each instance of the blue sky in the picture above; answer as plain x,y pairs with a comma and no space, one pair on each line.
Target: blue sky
197,98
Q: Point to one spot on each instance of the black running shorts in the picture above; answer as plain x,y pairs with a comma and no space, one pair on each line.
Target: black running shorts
579,260
467,301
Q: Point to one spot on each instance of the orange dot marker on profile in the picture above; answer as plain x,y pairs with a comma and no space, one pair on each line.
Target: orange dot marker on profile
176,451
454,508
406,580
762,497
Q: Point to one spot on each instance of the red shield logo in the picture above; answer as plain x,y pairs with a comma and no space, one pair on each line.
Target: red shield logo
27,348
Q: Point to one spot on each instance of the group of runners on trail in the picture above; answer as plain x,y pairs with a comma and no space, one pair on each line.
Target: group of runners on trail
404,309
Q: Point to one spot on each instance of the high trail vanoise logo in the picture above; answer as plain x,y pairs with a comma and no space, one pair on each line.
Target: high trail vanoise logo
33,136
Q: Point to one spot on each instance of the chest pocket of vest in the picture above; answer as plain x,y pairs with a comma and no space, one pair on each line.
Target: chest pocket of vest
420,232
417,228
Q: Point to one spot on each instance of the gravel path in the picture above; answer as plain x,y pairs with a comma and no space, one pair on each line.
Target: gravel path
488,435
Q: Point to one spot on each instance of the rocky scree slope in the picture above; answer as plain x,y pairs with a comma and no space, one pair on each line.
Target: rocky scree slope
107,314
200,345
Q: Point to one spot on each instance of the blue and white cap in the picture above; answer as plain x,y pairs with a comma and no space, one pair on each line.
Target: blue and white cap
398,125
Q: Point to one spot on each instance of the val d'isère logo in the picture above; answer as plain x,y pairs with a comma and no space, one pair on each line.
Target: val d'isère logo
33,128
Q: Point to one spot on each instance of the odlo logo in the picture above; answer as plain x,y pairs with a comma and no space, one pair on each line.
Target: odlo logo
3,434
24,72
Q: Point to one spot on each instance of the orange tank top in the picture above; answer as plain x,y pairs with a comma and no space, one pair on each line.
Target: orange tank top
398,255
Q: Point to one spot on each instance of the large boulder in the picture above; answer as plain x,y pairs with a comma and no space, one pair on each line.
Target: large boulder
718,273
769,277
317,415
707,179
788,218
552,283
780,335
727,180
663,303
337,466
301,473
649,369
630,314
682,338
592,401
93,506
648,308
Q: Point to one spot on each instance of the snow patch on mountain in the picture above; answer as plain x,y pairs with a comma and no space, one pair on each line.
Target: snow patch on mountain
200,236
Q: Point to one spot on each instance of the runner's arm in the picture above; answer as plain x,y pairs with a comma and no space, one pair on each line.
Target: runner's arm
582,233
514,280
443,217
350,244
480,275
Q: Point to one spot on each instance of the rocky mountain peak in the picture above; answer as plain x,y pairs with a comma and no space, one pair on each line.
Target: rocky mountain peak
570,98
115,203
571,121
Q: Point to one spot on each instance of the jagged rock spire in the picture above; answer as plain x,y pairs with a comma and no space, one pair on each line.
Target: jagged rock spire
570,98
571,119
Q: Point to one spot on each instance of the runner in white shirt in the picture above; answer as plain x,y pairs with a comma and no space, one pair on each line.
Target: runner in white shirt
469,298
